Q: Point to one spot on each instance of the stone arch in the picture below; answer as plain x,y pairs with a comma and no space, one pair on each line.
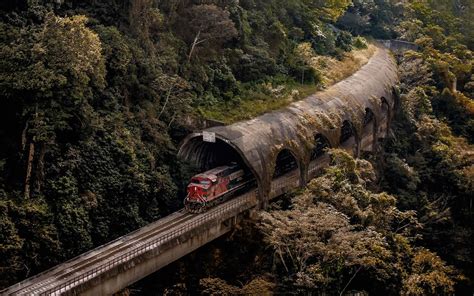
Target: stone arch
321,142
288,172
369,131
207,155
285,162
349,138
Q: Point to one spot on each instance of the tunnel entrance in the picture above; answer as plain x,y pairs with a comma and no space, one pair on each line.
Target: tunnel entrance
348,140
206,155
285,162
369,131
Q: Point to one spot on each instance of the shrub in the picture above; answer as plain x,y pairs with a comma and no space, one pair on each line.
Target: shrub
360,42
344,41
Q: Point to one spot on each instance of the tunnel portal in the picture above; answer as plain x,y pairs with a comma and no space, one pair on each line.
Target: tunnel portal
208,155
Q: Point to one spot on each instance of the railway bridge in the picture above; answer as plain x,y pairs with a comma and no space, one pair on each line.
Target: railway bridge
282,149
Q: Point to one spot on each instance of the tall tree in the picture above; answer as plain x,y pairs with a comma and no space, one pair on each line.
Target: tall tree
329,10
208,24
51,72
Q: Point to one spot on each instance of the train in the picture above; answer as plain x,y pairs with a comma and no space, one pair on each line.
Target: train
214,186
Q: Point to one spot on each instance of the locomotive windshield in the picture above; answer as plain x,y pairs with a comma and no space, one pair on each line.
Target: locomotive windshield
201,181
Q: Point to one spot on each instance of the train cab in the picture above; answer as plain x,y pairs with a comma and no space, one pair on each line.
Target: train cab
214,186
200,187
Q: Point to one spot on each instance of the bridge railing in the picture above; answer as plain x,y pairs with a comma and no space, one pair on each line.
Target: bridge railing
316,165
217,212
289,181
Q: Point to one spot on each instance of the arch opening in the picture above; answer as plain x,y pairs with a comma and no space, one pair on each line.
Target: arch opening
348,139
285,163
320,144
369,131
319,157
369,117
383,126
347,132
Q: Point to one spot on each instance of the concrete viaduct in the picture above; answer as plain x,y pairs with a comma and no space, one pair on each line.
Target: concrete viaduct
282,149
338,116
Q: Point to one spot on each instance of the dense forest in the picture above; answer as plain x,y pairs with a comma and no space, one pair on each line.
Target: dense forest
95,97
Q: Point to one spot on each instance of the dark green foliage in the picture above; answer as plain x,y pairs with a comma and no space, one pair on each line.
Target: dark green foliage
306,74
255,65
87,156
429,169
26,232
457,109
222,82
324,40
374,17
344,41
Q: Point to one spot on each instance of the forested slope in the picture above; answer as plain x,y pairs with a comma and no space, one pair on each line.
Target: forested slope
96,95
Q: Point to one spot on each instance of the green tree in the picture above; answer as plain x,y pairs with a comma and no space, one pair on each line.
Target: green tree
52,73
328,10
208,24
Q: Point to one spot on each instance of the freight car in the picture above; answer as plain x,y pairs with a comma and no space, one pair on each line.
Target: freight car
214,186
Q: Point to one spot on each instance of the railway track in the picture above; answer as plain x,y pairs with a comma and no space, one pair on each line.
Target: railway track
95,257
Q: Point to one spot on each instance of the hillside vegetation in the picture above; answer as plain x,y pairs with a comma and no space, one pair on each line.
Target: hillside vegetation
279,93
96,95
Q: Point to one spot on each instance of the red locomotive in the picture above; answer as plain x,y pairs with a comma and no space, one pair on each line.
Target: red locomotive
212,187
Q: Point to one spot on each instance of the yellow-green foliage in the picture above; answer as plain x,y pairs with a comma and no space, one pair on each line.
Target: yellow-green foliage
429,276
266,97
338,228
255,103
215,286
